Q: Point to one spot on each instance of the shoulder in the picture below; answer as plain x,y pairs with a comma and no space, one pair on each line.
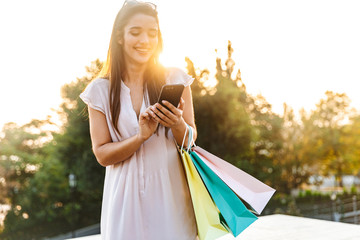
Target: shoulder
100,83
177,75
96,94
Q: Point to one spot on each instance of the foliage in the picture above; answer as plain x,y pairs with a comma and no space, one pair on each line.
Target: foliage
32,179
330,137
351,139
73,146
36,164
237,126
295,167
282,151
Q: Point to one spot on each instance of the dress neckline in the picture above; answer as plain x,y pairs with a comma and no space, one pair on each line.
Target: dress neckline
142,107
123,85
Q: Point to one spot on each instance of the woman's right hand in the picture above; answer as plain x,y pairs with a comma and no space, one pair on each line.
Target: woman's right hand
147,124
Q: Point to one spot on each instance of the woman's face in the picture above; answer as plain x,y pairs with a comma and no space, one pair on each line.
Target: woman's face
140,39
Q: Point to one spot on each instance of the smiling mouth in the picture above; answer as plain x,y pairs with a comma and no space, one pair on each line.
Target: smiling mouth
143,50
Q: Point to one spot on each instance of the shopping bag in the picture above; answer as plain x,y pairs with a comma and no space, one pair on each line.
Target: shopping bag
234,212
248,188
207,215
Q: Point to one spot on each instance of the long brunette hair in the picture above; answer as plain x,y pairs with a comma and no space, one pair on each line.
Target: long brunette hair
114,67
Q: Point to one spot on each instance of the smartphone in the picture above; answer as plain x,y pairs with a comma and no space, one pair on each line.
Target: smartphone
171,93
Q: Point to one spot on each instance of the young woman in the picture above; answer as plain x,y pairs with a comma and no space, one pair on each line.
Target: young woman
145,192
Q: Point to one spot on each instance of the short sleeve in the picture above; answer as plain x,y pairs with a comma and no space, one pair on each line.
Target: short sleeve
96,94
176,75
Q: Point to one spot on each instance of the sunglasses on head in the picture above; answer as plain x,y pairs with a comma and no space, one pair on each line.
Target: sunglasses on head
129,3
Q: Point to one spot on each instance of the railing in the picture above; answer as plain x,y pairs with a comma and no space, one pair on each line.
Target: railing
341,210
86,231
350,210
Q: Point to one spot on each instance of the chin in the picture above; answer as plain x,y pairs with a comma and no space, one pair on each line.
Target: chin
139,59
142,60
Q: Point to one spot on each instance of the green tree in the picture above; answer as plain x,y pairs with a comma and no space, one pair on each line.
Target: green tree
20,151
23,154
72,146
37,164
235,125
329,119
351,139
295,166
222,122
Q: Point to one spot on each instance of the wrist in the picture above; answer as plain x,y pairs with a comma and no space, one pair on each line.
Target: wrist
181,125
141,139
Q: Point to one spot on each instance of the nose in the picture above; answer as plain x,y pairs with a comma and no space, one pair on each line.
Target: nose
144,38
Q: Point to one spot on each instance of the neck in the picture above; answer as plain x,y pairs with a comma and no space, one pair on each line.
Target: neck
135,74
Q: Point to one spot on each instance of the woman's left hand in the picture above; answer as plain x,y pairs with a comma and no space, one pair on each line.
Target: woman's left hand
167,118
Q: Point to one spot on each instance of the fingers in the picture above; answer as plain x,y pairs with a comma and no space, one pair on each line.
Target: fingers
160,116
142,116
150,114
172,108
145,115
165,117
146,118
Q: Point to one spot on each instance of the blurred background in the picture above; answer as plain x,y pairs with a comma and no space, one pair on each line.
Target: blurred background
275,81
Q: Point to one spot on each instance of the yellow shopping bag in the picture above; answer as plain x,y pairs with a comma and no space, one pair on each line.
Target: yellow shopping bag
208,218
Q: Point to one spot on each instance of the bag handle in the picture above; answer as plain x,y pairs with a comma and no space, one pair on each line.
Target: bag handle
182,145
190,138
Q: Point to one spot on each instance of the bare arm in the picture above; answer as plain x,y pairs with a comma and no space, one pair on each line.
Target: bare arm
108,152
187,117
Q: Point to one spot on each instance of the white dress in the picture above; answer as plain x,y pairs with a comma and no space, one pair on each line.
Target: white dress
145,196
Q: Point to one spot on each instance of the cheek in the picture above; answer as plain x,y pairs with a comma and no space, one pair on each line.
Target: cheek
129,39
155,42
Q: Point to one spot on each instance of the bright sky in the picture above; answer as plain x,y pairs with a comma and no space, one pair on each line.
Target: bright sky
289,51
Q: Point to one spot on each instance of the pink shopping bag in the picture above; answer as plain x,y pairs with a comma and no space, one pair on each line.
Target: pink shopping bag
248,188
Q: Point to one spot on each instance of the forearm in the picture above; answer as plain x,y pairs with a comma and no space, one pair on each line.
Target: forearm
179,131
115,152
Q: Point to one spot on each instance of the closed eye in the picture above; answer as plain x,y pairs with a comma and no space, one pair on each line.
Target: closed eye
153,33
135,31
